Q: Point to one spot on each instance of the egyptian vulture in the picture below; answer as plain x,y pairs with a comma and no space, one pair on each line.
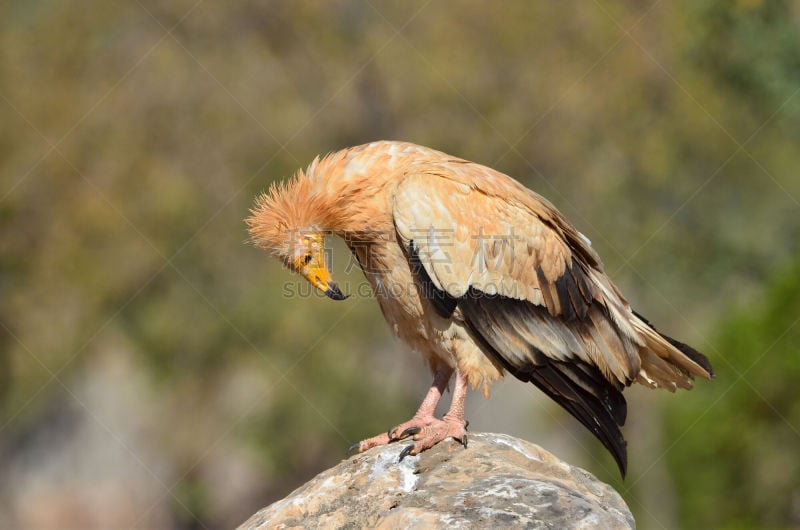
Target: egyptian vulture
481,276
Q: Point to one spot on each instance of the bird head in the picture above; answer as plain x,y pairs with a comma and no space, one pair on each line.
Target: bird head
285,222
306,257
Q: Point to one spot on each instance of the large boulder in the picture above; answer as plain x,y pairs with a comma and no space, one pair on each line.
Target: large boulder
498,481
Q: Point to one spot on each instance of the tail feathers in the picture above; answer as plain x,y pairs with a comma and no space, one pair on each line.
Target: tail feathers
694,355
666,362
656,372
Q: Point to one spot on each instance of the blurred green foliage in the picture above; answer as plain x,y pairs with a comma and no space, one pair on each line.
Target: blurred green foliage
135,135
742,449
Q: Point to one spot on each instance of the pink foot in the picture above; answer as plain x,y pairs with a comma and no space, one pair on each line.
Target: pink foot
425,431
369,443
424,428
434,432
402,431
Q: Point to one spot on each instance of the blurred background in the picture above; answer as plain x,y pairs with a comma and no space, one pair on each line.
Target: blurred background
155,371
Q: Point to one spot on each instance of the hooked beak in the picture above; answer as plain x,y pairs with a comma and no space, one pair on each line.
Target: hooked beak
317,275
334,293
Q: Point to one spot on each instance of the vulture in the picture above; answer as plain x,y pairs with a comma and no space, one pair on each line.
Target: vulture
478,274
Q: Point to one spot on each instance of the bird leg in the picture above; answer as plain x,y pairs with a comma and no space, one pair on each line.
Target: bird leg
422,418
424,428
452,424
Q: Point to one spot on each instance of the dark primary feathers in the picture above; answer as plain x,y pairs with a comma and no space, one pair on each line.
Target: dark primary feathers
501,326
538,301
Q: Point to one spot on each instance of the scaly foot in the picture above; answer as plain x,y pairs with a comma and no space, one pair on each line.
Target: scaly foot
434,432
425,431
424,428
400,432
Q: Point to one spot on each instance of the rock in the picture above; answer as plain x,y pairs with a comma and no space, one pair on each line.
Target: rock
498,482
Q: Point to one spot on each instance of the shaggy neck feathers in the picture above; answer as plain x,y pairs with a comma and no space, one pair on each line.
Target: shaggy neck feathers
326,198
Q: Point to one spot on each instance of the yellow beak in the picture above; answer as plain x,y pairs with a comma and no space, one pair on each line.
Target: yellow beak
310,262
319,277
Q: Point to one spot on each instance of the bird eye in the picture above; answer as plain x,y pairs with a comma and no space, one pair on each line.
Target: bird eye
307,258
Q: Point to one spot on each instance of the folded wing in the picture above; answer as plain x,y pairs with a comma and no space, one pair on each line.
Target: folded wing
531,291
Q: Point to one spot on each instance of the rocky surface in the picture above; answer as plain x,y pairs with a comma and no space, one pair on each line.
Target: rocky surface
499,482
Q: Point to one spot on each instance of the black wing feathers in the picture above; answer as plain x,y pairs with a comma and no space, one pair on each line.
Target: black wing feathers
442,303
572,290
578,387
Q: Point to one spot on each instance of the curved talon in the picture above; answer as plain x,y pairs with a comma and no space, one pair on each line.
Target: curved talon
464,441
466,425
405,452
355,447
410,432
